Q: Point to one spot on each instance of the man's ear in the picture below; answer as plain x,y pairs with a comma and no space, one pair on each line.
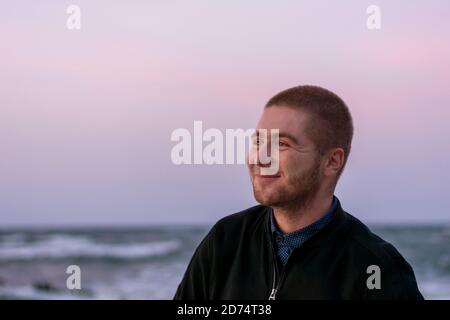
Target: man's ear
334,161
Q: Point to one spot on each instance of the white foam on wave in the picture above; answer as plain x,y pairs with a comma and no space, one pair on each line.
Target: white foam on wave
63,246
28,292
435,289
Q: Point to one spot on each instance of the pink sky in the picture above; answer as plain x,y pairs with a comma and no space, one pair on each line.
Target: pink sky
86,116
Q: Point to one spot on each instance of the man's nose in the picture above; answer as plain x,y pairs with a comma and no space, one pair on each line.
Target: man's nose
264,158
261,164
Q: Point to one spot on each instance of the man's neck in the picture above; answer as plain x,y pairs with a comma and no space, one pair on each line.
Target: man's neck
294,217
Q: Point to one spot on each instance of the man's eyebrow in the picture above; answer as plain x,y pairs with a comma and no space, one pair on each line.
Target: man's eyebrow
289,136
281,134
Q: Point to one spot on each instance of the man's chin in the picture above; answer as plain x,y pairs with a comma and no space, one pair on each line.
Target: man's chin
266,200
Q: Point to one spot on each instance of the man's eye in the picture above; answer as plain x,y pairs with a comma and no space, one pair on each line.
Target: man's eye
280,143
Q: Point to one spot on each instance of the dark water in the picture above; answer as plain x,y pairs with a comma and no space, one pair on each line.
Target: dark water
148,263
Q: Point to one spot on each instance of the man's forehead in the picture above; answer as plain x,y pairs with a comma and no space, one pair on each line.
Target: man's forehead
285,119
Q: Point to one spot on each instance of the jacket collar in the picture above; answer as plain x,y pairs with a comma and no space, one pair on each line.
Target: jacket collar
337,224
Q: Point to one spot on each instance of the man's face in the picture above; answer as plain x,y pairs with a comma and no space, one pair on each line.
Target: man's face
298,177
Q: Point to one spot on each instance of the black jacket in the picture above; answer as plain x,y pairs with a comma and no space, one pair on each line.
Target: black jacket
236,260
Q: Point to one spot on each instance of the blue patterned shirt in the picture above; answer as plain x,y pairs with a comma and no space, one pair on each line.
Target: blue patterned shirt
285,243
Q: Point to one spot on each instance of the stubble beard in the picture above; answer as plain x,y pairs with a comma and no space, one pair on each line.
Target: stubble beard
297,194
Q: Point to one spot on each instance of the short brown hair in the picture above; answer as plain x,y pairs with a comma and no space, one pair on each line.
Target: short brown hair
332,124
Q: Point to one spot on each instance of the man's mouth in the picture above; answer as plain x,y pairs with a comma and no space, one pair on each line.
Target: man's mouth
263,176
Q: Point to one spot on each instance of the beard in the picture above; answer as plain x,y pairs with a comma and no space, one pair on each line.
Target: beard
295,193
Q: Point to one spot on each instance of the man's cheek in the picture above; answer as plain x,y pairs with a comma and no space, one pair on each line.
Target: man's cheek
283,165
288,162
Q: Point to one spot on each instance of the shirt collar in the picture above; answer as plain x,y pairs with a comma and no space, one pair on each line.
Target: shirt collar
319,224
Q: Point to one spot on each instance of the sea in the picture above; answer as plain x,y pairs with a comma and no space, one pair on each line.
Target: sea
149,262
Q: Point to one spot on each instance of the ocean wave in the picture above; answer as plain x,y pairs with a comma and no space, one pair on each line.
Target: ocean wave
28,292
63,246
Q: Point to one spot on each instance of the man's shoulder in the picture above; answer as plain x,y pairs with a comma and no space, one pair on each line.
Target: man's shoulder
240,222
372,249
397,276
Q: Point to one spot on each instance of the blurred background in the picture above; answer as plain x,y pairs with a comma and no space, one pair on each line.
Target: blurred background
86,117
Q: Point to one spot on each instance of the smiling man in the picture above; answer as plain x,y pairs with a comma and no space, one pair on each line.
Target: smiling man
299,243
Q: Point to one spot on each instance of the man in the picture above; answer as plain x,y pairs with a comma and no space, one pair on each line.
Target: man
299,243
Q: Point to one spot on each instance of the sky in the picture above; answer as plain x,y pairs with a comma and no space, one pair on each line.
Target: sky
86,115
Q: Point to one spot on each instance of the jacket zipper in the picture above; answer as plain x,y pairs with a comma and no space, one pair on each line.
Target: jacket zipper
273,293
277,284
276,288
